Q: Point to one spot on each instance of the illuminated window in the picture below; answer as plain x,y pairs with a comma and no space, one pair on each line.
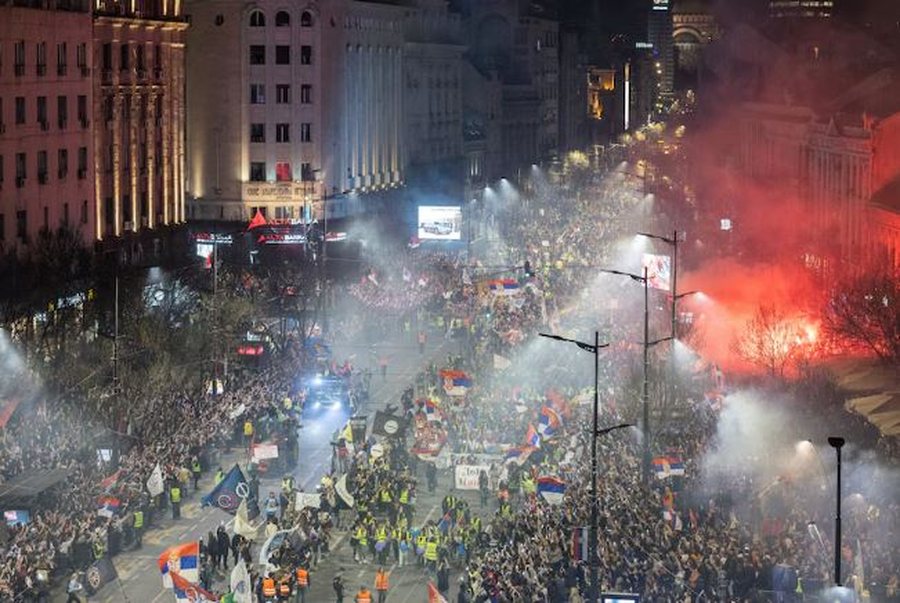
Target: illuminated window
257,19
257,94
305,132
283,171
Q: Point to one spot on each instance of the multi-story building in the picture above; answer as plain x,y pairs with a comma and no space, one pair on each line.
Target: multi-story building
536,45
290,106
138,118
801,9
432,97
46,171
660,35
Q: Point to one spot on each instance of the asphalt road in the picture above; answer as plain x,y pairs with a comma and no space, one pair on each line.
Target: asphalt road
140,580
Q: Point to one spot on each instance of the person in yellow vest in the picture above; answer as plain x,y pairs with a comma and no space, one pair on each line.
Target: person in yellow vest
362,543
175,499
421,541
139,527
431,555
248,432
381,584
363,596
529,487
302,576
268,589
381,543
287,485
196,470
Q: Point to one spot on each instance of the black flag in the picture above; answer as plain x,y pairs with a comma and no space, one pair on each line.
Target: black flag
99,573
388,425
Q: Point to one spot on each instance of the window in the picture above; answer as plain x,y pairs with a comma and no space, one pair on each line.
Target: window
62,162
257,19
84,211
306,55
61,59
65,219
21,168
283,171
282,94
140,61
306,172
46,218
42,167
282,132
125,57
19,57
306,19
257,94
22,224
82,110
282,55
257,171
62,111
257,132
81,56
106,56
42,110
282,19
42,58
306,94
305,132
257,54
82,163
20,110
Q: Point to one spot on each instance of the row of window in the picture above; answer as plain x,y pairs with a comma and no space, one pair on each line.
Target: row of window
282,54
22,220
130,56
282,19
41,111
282,94
42,166
283,172
20,58
282,132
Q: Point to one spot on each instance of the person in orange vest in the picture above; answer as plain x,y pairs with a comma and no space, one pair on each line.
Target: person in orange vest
381,584
302,575
268,589
363,596
284,589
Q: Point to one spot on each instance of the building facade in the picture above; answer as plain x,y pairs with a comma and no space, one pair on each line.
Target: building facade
139,118
45,122
660,35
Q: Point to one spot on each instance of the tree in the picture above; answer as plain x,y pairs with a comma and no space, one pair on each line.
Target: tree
771,340
864,312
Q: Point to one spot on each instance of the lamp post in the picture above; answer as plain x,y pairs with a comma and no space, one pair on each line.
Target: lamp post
673,241
837,443
645,382
595,433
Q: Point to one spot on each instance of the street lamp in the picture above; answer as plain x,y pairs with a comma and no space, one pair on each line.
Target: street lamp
645,388
837,443
595,433
673,241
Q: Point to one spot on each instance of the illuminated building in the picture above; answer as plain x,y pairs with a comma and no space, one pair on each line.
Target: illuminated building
660,35
46,171
138,117
802,9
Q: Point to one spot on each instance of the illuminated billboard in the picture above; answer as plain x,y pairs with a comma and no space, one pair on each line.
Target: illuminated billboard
440,222
659,270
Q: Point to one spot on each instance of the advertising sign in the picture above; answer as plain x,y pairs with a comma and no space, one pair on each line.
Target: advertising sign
659,270
467,476
440,222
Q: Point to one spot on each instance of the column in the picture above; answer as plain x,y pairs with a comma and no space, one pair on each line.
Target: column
116,142
150,126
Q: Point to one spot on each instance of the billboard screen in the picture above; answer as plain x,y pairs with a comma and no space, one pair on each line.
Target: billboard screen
659,270
440,222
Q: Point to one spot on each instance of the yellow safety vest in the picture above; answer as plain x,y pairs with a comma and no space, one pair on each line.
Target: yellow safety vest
138,520
431,551
175,494
248,428
361,536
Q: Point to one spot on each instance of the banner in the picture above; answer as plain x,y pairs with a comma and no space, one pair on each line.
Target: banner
99,573
155,483
304,500
241,409
387,425
434,595
501,363
659,271
358,428
340,488
262,452
467,476
241,587
242,524
229,492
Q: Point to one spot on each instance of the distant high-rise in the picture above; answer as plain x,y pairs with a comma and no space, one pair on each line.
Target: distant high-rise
805,9
659,31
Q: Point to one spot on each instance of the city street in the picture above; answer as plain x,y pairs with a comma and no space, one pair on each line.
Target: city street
139,576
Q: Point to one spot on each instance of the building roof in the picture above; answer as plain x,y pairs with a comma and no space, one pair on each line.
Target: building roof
888,196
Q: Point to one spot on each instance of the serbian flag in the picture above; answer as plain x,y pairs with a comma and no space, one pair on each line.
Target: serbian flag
532,437
504,286
676,465
433,412
552,489
579,547
108,482
456,382
661,467
559,404
518,455
181,559
434,595
549,422
185,590
107,506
